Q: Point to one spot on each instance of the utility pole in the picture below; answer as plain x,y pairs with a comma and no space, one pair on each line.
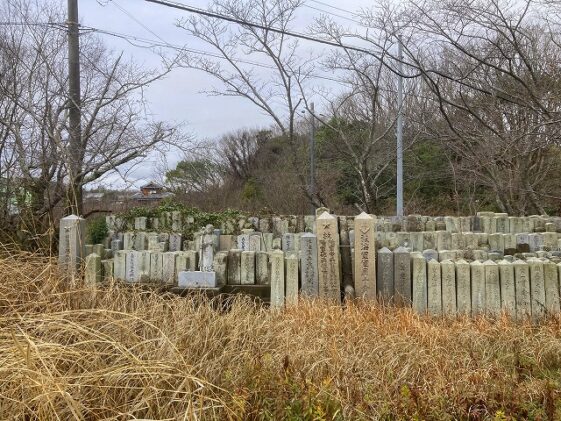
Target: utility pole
74,111
399,131
312,147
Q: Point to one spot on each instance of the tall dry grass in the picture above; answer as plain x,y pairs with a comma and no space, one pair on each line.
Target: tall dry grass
70,351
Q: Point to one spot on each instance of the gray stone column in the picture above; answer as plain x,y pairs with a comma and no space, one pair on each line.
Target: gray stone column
276,261
522,281
365,257
72,234
309,265
328,258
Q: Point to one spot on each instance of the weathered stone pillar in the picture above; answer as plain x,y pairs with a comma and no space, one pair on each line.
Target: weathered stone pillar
291,275
492,289
508,294
402,276
419,268
92,272
247,268
72,234
309,265
365,257
522,280
276,261
551,282
262,268
328,258
385,277
537,289
448,271
434,283
463,287
477,288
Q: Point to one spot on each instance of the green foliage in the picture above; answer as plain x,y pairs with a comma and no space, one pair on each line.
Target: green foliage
194,175
251,190
200,218
97,230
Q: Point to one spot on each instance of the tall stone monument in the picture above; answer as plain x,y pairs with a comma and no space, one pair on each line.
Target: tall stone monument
365,257
71,243
328,258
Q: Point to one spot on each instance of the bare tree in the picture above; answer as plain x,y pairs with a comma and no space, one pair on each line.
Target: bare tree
275,78
34,124
492,69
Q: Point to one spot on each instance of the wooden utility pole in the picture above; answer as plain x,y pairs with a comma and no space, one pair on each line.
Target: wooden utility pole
75,153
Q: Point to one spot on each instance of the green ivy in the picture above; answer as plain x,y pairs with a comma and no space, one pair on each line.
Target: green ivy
200,218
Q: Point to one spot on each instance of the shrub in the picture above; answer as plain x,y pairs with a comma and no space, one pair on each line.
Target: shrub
97,230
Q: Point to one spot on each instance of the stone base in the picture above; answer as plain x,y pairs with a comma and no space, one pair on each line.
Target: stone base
209,292
196,279
260,291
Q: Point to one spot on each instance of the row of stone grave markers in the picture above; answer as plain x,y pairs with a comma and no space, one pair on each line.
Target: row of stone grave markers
483,222
342,254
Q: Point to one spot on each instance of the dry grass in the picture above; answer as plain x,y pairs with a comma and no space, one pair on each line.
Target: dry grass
73,352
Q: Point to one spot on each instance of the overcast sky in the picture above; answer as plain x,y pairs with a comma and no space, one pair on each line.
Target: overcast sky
178,97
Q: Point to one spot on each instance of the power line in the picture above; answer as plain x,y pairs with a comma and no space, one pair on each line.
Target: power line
153,43
122,9
334,7
333,14
242,22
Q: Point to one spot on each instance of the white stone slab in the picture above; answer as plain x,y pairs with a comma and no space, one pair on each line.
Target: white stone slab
196,279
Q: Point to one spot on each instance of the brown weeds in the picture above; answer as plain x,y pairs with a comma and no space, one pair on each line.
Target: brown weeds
70,351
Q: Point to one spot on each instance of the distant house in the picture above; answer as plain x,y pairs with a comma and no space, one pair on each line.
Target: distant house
151,192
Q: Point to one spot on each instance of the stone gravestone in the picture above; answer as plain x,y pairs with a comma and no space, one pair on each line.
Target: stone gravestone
402,276
477,288
262,268
116,245
156,267
175,242
492,289
328,258
255,242
71,243
291,274
522,287
92,272
276,259
365,257
551,283
463,287
508,295
132,264
434,284
119,265
243,242
537,289
234,266
140,241
419,268
288,242
168,267
309,265
247,268
221,267
107,269
385,277
448,271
